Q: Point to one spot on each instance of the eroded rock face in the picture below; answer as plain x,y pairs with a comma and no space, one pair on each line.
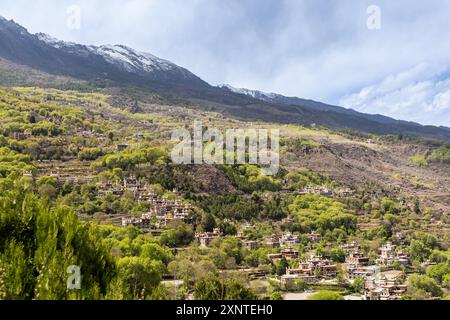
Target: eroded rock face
209,179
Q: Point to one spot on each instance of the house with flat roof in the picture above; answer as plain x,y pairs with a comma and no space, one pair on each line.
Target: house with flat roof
204,238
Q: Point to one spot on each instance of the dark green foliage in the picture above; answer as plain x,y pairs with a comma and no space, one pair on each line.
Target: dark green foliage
177,236
231,206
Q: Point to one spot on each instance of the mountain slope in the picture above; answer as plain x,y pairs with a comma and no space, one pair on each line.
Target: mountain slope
311,104
118,65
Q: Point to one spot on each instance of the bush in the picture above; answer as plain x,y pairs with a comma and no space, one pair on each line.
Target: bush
326,295
419,160
90,154
276,295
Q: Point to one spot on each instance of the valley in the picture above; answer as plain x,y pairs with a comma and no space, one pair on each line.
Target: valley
337,196
359,208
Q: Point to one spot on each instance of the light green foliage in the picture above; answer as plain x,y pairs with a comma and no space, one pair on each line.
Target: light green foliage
419,160
226,253
359,285
319,212
441,155
36,239
298,180
249,178
419,284
389,206
276,295
209,288
130,158
422,245
89,154
419,251
178,235
257,257
140,276
439,272
326,295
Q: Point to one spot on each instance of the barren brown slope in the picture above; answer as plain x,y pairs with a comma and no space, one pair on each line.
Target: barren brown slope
378,167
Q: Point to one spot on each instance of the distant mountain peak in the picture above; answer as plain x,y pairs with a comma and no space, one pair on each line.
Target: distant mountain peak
114,62
11,24
126,58
47,38
133,60
252,93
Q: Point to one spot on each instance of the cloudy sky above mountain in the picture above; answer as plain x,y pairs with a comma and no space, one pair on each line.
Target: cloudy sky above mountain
321,50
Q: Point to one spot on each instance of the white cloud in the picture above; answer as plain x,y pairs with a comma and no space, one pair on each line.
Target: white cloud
419,94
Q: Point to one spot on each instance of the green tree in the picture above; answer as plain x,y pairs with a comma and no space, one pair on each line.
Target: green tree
43,241
140,275
422,283
154,251
358,285
209,288
235,290
419,250
438,272
181,235
281,266
208,222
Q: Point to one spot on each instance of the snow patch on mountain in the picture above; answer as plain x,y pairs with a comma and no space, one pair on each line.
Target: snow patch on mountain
122,56
252,93
132,60
47,38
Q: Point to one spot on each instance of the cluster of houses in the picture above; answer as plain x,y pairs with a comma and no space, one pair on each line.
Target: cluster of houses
320,190
328,191
379,285
162,209
310,270
386,285
20,136
144,222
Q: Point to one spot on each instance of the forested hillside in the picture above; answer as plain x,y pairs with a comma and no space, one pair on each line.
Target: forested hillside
86,180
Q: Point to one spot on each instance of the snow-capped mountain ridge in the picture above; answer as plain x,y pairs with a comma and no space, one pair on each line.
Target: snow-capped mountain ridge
252,93
116,63
125,57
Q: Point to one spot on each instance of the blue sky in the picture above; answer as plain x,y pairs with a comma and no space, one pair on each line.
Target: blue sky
313,49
